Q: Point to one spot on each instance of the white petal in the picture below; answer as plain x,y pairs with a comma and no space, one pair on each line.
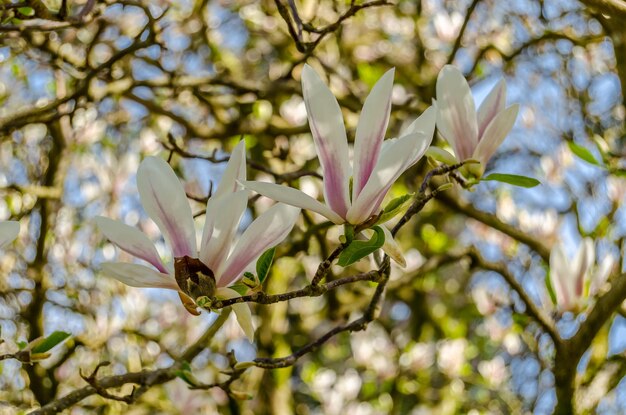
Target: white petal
267,231
370,132
130,240
561,278
293,197
456,115
164,198
137,275
495,134
225,213
331,143
8,232
235,171
242,311
493,104
390,247
394,160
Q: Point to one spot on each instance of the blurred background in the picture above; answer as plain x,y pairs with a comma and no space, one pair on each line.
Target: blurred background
88,88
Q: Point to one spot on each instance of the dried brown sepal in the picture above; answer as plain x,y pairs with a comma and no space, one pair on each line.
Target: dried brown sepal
194,278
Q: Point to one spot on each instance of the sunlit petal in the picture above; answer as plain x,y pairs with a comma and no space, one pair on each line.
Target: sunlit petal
293,197
267,231
225,213
370,132
456,115
130,240
137,275
242,312
394,160
495,134
584,259
235,171
8,232
163,197
491,106
329,134
602,273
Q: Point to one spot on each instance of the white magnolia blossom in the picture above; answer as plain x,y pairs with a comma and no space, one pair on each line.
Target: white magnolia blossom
377,164
165,201
474,135
8,232
576,279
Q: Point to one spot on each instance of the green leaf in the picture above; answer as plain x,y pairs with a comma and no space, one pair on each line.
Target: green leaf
513,179
360,249
395,207
187,377
50,341
264,264
26,11
583,153
22,345
240,288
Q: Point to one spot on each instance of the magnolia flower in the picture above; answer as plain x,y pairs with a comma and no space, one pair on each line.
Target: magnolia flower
8,232
219,263
575,280
473,135
376,166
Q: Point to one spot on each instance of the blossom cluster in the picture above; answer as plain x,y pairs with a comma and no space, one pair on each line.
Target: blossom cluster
354,192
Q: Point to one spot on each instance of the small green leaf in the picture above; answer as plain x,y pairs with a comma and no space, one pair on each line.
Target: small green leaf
26,11
22,345
395,207
360,249
240,288
583,153
513,179
50,341
187,377
249,280
264,264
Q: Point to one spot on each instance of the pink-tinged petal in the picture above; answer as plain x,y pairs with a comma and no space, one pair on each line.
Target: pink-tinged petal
390,247
331,143
456,115
225,212
493,104
242,311
495,134
267,231
562,281
164,199
293,197
235,171
8,232
130,240
137,275
394,160
370,132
